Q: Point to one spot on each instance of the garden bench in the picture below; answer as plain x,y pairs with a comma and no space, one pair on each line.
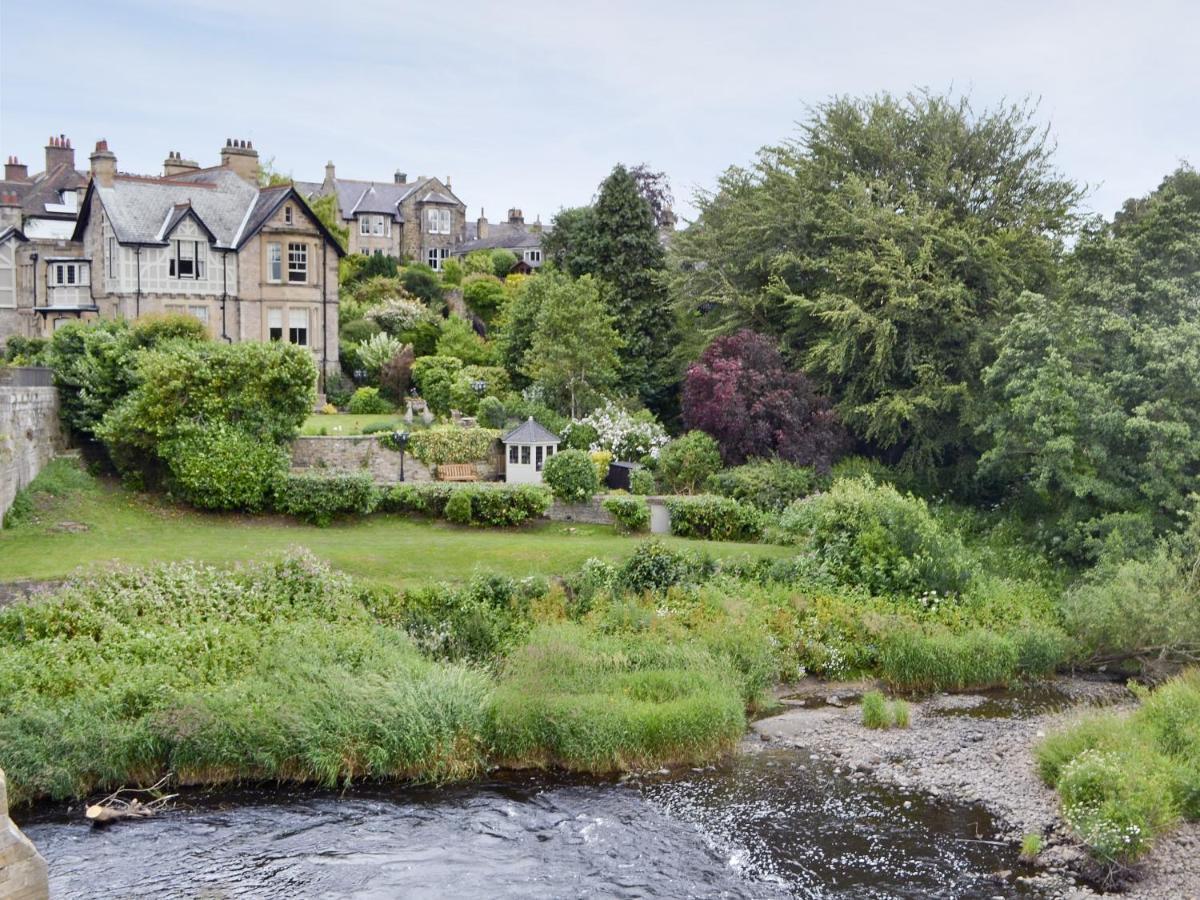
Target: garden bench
457,472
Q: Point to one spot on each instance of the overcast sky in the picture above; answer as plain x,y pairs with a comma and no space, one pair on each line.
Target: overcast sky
530,104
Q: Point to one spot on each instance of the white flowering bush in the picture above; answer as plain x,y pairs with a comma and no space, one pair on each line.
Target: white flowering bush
377,350
627,436
399,314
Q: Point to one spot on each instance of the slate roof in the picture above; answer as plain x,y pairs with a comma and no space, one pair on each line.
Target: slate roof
375,197
531,432
44,189
12,231
500,235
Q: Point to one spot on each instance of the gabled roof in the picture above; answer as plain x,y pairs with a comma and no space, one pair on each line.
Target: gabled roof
178,213
12,231
531,432
438,197
379,197
42,192
509,239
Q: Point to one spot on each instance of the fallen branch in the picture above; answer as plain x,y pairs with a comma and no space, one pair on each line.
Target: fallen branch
114,807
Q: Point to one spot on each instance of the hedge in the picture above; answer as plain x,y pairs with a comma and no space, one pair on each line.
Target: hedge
318,498
450,444
631,513
714,518
490,504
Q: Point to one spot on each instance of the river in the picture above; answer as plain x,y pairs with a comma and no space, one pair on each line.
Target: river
772,823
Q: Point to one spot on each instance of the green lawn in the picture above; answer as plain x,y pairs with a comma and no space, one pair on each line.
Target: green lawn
387,549
344,423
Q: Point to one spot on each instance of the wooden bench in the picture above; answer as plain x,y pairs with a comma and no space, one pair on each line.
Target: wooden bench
457,472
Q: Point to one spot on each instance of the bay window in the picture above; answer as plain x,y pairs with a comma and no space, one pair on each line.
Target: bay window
439,221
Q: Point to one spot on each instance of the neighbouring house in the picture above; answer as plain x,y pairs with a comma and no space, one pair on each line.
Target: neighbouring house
526,449
523,240
420,220
37,219
252,263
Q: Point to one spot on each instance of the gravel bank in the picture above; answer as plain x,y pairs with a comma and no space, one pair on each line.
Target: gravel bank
979,748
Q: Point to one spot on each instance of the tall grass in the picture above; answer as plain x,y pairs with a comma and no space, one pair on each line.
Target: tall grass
940,659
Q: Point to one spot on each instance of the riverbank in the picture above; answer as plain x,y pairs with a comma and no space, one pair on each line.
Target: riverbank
978,748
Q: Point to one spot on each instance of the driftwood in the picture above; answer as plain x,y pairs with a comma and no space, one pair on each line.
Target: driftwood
114,807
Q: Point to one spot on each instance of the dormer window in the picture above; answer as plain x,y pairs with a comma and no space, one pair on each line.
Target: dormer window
439,221
287,215
188,259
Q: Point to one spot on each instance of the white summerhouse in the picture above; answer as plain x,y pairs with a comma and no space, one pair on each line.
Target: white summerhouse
526,449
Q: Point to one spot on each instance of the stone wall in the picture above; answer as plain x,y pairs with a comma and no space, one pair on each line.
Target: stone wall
23,874
30,436
365,453
590,513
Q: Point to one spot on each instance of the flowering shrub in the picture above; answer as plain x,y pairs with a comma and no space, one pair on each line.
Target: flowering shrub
399,314
571,476
628,436
377,350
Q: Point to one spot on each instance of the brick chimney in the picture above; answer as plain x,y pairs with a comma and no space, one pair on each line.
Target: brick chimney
241,157
104,164
58,152
481,225
516,217
401,177
10,210
15,170
175,164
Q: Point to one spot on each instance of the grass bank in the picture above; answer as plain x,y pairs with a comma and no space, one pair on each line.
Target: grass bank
122,527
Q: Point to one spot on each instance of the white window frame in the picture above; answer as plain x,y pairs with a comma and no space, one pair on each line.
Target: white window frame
364,225
288,218
69,274
438,221
298,326
275,262
275,323
297,262
113,250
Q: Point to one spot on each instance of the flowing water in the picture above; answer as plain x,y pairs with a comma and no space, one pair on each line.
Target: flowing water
774,823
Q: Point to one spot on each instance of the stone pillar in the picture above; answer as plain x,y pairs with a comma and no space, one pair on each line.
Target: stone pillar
23,874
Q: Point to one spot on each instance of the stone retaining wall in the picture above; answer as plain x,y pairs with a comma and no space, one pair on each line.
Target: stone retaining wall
30,436
365,453
590,513
23,874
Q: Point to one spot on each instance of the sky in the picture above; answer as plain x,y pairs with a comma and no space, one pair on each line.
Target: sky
530,104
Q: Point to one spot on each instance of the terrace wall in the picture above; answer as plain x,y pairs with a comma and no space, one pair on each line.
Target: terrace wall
30,436
365,453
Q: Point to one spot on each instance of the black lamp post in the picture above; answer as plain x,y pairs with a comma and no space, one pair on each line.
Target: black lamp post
401,439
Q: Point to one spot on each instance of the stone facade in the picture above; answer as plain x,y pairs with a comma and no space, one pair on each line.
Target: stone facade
590,513
365,453
23,873
30,436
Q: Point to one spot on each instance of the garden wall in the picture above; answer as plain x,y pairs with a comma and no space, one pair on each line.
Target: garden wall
590,513
365,453
30,436
23,873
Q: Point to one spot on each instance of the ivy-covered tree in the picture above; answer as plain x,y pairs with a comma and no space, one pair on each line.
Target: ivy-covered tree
741,392
573,354
884,247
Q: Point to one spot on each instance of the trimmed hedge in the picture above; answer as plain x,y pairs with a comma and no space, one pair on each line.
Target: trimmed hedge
318,498
450,444
484,504
571,475
631,513
714,518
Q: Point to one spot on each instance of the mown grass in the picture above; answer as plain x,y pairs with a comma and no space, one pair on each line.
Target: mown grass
1125,779
383,549
341,424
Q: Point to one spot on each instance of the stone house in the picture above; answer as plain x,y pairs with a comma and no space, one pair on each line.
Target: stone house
420,220
37,218
252,263
513,234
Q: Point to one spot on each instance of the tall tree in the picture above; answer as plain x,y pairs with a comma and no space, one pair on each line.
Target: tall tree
573,353
569,243
884,246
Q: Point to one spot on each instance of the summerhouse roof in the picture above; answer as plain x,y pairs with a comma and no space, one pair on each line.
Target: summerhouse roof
531,432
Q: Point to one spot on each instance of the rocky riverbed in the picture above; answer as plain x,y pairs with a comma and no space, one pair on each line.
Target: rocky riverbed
978,748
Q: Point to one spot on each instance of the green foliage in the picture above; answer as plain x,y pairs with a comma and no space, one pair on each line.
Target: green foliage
356,331
478,262
423,283
1031,847
318,498
655,567
452,272
631,513
451,444
641,482
491,412
714,518
476,624
366,401
607,703
58,478
326,210
400,314
571,476
377,351
434,377
514,328
940,659
875,710
374,287
885,246
473,383
492,505
459,339
458,508
484,295
274,671
23,351
770,485
870,535
572,355
503,262
688,462
223,467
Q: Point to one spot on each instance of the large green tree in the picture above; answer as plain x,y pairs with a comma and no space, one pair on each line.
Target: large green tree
574,347
885,246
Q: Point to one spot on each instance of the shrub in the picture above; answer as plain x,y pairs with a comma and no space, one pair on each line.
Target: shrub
395,376
491,413
422,282
223,467
714,518
397,315
329,410
571,476
631,514
579,436
23,351
601,459
687,462
358,331
317,499
458,339
458,508
655,567
629,436
366,401
491,504
451,444
641,481
484,295
475,623
471,383
769,485
870,535
434,377
375,352
503,262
